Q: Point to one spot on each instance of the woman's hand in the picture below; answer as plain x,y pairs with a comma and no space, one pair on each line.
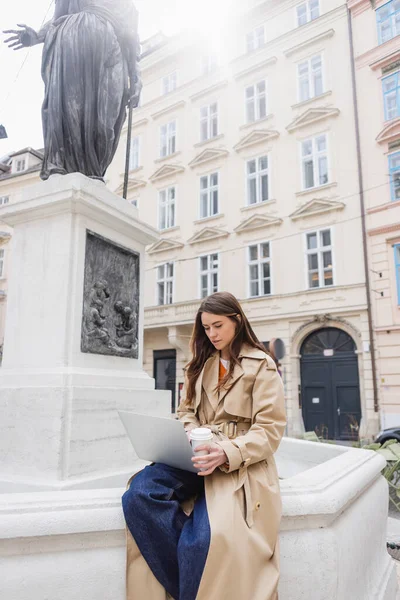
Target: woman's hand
23,38
215,457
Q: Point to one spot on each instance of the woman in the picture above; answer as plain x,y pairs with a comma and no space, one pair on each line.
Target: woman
223,546
89,69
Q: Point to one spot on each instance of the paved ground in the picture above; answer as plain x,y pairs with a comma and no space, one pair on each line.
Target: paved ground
393,535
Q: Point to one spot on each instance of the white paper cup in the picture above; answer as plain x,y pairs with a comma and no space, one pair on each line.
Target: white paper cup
201,436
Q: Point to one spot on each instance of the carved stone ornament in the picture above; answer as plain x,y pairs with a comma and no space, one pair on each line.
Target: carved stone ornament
110,299
325,320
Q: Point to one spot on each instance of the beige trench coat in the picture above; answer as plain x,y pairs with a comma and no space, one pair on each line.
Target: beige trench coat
243,501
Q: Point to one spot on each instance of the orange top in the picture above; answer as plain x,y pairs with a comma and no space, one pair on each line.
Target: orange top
222,371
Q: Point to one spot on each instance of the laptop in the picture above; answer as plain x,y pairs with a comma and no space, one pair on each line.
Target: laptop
159,439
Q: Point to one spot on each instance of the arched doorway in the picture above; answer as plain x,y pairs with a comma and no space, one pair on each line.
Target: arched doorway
330,384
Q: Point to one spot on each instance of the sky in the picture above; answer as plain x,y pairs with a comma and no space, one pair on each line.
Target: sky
21,87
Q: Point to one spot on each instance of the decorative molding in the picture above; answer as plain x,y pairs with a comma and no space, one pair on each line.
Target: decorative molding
322,320
165,245
166,171
210,90
140,123
385,229
208,155
314,40
359,6
311,100
390,132
168,109
258,67
4,236
311,116
385,62
378,53
207,234
133,184
316,207
257,222
206,219
258,136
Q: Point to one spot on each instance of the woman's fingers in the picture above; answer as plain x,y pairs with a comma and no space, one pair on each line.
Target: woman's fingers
15,31
11,39
18,43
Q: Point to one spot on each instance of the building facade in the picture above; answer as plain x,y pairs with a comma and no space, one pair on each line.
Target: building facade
17,170
376,28
244,156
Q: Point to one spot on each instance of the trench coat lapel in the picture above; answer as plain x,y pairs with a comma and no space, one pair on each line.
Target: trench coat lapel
210,379
237,374
204,375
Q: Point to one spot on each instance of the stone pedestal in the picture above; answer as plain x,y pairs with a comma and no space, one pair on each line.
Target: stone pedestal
59,404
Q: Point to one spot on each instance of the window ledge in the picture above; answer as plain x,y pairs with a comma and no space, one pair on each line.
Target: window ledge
174,228
256,123
258,205
206,219
209,140
168,157
133,171
312,190
320,288
311,100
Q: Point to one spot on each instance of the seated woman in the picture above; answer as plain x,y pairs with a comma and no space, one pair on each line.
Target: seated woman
225,547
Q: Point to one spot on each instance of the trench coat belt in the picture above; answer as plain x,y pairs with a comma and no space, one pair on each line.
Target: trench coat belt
232,428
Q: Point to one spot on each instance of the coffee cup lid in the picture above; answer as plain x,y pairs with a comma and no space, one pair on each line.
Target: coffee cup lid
201,433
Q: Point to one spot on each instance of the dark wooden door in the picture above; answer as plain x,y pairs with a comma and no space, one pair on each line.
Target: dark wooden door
330,385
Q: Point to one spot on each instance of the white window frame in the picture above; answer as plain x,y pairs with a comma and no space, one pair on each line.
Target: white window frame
259,262
169,83
258,175
211,270
209,63
134,155
168,139
311,78
255,100
209,192
309,17
20,165
209,119
4,200
316,156
319,250
169,284
167,203
2,263
254,41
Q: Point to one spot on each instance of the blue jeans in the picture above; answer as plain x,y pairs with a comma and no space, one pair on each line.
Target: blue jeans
174,545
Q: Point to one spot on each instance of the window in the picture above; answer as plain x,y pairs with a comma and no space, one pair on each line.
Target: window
391,96
319,259
208,275
394,170
209,122
134,159
256,101
314,155
209,195
257,180
4,200
169,83
310,78
260,269
165,283
397,268
1,263
20,165
168,139
307,11
209,63
388,19
166,208
255,39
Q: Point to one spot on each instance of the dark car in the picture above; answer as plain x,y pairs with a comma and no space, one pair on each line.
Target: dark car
388,434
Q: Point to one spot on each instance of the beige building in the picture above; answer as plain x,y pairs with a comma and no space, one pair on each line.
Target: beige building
377,61
244,156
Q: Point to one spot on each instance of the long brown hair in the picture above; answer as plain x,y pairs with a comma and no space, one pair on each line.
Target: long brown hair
224,304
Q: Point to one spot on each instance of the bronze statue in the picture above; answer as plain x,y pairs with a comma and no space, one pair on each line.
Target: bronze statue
91,74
